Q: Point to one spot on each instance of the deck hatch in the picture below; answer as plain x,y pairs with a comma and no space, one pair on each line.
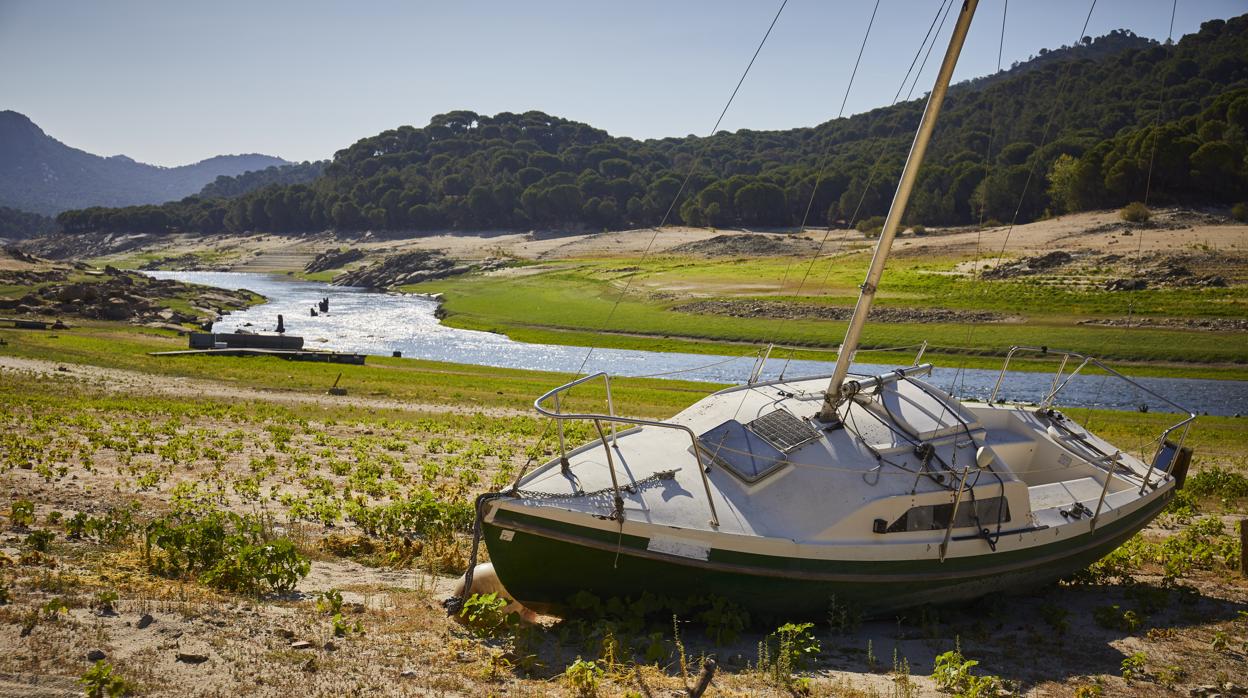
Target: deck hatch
741,452
782,430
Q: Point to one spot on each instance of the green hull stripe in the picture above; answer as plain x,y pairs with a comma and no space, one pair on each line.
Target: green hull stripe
829,570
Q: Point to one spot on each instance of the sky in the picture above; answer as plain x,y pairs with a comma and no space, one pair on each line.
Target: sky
171,83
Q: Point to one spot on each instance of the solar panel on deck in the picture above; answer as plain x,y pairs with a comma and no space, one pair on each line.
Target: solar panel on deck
783,430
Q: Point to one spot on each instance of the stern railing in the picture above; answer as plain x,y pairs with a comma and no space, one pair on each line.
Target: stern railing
1061,379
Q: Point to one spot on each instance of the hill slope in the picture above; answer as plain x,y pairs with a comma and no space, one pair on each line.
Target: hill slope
39,173
1072,132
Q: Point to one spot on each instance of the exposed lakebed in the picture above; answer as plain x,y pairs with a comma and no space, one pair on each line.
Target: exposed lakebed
376,323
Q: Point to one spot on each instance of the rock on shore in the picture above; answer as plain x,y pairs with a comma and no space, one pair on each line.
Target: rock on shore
410,268
117,295
333,259
808,311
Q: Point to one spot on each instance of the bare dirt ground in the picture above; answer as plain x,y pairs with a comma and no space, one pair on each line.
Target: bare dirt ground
172,637
1100,232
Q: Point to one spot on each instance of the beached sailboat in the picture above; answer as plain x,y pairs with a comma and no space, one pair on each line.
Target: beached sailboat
883,491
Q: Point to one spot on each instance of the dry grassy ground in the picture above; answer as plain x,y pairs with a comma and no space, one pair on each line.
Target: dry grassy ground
125,448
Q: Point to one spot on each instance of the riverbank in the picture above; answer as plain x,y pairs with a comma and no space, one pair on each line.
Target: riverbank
677,292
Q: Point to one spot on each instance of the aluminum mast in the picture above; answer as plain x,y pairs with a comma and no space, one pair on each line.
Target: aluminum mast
896,210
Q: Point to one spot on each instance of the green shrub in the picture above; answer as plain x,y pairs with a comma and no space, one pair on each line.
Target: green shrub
1133,667
1217,482
582,677
1135,212
1114,618
329,602
484,615
952,673
724,620
39,540
224,550
787,651
21,513
100,681
1240,212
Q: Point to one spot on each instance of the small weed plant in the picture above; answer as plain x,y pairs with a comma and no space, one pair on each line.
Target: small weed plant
101,681
582,678
1114,618
952,673
724,620
1134,667
484,615
21,514
787,651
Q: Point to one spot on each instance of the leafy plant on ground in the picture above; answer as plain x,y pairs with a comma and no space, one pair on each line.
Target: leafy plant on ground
582,677
484,614
1114,618
101,680
1133,667
903,685
1203,544
843,618
1135,212
724,620
952,673
1217,482
1055,617
342,628
103,601
39,541
329,602
788,650
225,550
21,514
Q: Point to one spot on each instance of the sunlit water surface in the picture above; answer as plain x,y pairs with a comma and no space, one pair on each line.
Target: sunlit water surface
369,322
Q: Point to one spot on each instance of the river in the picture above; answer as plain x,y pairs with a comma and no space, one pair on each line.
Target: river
376,323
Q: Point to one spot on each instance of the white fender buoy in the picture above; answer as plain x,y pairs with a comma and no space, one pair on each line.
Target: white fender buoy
485,581
984,457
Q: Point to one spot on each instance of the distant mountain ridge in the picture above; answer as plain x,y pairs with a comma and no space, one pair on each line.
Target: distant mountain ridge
43,175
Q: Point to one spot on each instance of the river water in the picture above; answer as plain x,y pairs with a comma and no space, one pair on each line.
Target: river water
369,322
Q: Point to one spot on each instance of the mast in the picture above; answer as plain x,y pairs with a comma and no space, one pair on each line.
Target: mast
896,210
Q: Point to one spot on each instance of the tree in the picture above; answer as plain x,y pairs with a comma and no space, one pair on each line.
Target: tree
760,203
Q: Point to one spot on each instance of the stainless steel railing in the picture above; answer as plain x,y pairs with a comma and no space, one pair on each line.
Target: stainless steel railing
611,418
1060,382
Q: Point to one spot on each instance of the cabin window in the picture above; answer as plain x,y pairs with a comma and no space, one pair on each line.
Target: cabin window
935,517
741,452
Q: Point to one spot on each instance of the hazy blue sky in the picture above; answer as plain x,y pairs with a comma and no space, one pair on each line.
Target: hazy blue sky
171,82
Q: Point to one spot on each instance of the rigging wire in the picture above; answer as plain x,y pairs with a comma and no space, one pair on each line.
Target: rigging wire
960,374
1152,157
941,13
650,245
822,167
1044,140
693,164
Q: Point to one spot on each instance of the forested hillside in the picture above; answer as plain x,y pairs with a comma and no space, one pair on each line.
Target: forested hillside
1084,122
224,187
15,224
